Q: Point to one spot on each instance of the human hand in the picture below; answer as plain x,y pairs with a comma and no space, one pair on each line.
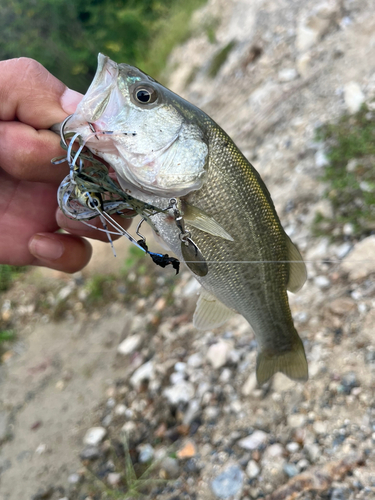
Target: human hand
31,101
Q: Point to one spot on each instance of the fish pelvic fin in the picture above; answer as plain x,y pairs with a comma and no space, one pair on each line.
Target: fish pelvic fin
297,268
292,363
210,312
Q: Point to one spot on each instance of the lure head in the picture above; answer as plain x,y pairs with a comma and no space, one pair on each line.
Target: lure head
149,135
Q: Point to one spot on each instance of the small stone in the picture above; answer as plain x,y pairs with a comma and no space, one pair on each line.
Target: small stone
90,453
94,436
349,381
322,282
313,452
74,478
290,470
360,262
320,427
225,375
146,453
217,354
169,468
41,449
176,378
114,478
192,412
129,345
64,293
179,393
321,159
252,469
287,75
340,494
255,441
129,429
292,447
303,64
211,413
120,410
229,483
274,451
143,373
342,306
343,250
250,385
188,450
353,97
303,464
296,420
196,359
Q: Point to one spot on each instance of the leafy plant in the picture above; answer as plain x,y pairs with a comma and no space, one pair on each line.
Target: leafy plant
8,274
350,175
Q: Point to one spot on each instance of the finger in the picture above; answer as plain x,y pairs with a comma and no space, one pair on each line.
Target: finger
26,153
30,94
62,252
78,228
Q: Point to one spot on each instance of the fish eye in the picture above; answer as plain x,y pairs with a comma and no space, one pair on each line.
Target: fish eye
145,95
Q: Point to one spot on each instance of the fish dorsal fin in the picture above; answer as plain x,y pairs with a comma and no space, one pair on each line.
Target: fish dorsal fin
210,312
297,268
200,220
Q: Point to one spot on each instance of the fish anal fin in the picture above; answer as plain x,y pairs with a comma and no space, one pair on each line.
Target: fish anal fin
292,363
200,220
297,268
210,312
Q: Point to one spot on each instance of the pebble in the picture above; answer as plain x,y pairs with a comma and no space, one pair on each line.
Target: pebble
321,159
322,282
256,440
228,484
169,468
188,450
349,381
146,453
144,372
217,354
273,451
313,452
129,345
252,469
287,75
120,410
296,420
94,436
195,360
90,453
360,262
182,392
250,385
340,494
353,97
290,470
192,412
343,250
292,447
74,478
341,306
114,478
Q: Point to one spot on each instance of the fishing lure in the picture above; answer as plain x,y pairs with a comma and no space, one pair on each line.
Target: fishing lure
88,191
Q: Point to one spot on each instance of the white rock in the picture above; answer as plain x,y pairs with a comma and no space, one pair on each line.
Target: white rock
320,427
306,37
144,372
322,282
250,385
130,344
254,441
195,360
287,74
321,159
292,447
217,354
114,478
273,451
94,436
176,378
120,410
179,393
225,375
252,469
303,64
343,250
353,96
360,262
296,420
192,288
193,410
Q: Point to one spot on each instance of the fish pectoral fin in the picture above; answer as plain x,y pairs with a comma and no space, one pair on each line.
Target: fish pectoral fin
297,268
200,220
292,363
210,312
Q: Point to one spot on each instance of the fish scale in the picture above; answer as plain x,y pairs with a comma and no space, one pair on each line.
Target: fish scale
226,209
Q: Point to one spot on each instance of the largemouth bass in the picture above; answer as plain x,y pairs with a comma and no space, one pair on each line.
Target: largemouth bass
161,148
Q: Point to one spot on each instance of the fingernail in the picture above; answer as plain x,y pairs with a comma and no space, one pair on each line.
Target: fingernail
46,247
69,100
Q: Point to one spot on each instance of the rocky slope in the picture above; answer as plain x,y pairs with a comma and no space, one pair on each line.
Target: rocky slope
135,371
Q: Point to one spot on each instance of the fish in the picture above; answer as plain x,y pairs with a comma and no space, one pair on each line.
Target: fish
216,214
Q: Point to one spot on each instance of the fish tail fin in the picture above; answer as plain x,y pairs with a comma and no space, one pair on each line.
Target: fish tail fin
292,363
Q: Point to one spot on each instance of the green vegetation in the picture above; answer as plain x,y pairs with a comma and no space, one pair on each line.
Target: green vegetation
66,35
8,274
350,175
220,58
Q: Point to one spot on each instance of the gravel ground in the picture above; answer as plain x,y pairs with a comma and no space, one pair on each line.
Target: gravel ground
98,394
